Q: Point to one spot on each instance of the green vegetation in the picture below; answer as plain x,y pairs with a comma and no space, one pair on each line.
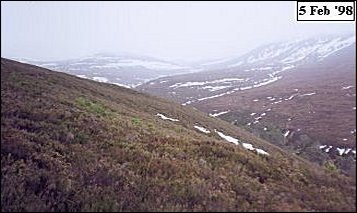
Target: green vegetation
93,107
136,121
330,166
70,144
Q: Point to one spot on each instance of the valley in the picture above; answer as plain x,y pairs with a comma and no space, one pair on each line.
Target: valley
301,101
123,70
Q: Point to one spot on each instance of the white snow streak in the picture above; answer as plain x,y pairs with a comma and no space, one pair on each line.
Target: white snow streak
247,146
166,118
261,152
308,94
201,83
202,129
228,138
218,114
347,87
100,79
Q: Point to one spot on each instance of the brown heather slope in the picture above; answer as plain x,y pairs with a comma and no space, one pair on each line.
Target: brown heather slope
70,144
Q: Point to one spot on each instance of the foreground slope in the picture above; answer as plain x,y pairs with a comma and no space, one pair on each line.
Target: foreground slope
71,144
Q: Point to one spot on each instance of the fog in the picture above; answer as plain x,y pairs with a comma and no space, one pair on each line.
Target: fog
177,31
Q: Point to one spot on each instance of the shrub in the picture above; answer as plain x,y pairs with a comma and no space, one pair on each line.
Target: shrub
93,107
330,166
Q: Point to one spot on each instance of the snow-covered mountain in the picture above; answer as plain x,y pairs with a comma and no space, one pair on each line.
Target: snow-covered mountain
294,52
128,71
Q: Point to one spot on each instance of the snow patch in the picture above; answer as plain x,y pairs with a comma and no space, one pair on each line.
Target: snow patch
82,76
154,65
213,96
335,45
100,79
218,114
340,151
49,64
347,151
228,138
166,118
264,82
322,146
187,102
215,88
122,85
328,149
308,94
291,97
248,146
347,87
261,152
201,83
202,129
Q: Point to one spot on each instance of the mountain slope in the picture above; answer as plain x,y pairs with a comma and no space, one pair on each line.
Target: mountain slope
71,144
295,53
260,67
123,70
306,106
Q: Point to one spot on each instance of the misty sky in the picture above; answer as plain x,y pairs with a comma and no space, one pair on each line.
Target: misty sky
178,31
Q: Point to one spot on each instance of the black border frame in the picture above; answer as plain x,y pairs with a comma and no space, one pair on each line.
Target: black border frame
354,11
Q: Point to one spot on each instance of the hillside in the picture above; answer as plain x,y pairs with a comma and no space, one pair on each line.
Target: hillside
123,70
72,144
296,95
